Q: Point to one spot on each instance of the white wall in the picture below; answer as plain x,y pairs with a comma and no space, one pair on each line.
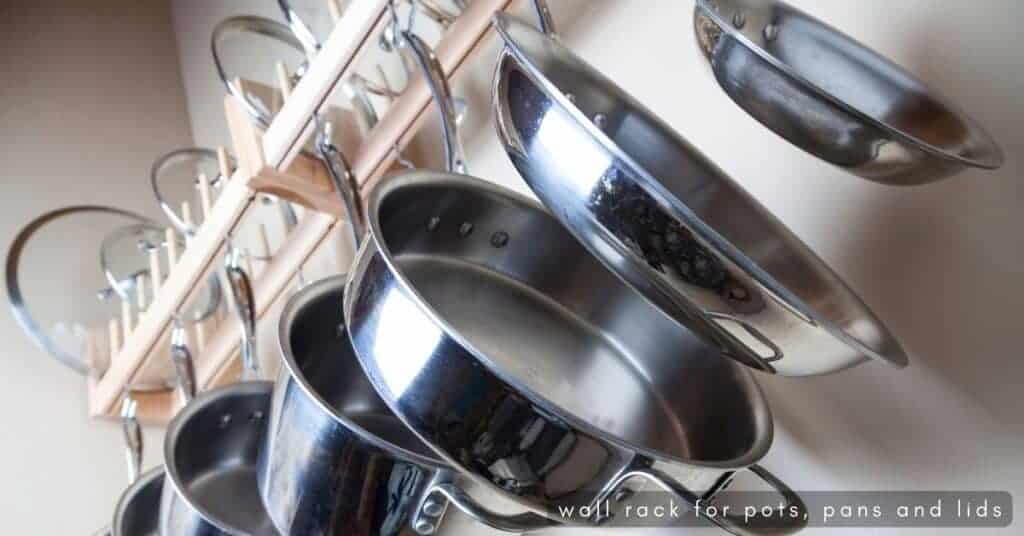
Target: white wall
940,264
90,95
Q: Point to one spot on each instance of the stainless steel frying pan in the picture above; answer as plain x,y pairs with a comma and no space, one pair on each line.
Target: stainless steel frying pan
138,510
671,224
835,98
521,361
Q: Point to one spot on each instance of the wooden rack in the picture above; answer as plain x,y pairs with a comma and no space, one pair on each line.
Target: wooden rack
270,162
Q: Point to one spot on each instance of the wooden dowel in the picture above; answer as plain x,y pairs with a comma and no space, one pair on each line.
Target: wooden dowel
224,163
334,10
140,293
284,82
265,251
155,277
114,332
200,329
204,195
247,259
186,217
172,248
126,320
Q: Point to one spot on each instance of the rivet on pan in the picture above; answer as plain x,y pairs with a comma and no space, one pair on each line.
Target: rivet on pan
499,239
771,32
465,229
225,420
600,120
739,20
433,222
738,293
342,330
433,508
424,527
571,97
256,415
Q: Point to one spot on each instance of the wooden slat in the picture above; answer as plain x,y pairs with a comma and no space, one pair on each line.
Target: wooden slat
266,156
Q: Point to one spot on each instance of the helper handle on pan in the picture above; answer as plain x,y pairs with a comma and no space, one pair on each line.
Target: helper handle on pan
132,437
184,368
734,524
344,182
455,160
245,308
442,491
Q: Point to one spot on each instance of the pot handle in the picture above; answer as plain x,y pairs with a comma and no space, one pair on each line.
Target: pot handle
734,524
245,308
428,515
343,180
132,437
455,159
184,367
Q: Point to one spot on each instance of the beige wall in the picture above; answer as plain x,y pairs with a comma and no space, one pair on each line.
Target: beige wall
90,94
941,264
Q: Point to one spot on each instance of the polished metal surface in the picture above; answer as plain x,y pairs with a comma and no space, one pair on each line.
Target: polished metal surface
14,272
211,451
159,178
337,461
258,26
138,510
835,98
525,364
124,256
668,222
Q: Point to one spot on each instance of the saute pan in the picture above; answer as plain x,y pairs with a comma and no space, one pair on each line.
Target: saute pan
835,98
669,222
525,364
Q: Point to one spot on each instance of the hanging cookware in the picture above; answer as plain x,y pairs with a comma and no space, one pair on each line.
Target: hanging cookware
526,365
59,330
124,258
288,45
669,222
174,178
138,509
337,461
835,98
212,445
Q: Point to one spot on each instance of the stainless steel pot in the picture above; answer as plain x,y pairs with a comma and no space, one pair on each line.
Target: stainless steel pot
212,446
835,98
669,222
525,364
336,460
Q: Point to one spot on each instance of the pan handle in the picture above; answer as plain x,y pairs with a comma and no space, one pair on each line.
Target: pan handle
455,159
734,524
184,367
428,515
245,308
344,182
132,436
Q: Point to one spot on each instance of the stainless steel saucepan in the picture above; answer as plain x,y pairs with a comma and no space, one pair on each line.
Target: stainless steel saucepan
213,443
524,363
336,460
671,224
835,98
